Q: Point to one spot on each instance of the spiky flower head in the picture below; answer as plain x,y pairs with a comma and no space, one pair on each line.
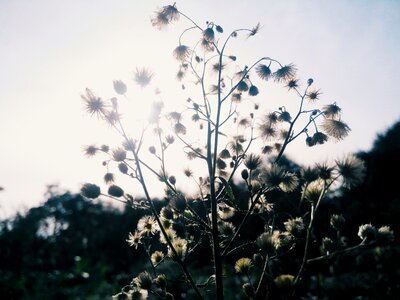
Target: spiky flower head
310,141
284,281
171,234
109,178
319,137
225,154
209,35
120,87
242,86
285,73
115,191
263,71
243,265
226,229
164,16
119,154
352,170
170,139
325,172
180,246
90,191
314,190
93,105
267,131
337,222
90,150
178,202
295,226
268,242
252,161
385,235
179,128
331,110
206,45
289,182
134,239
253,91
313,95
157,257
266,149
309,174
367,232
182,52
292,84
112,117
143,77
284,116
336,128
225,211
236,97
147,225
144,281
273,175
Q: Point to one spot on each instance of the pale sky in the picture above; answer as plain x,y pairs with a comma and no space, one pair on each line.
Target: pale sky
50,51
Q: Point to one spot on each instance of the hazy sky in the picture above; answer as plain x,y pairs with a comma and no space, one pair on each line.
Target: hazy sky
50,51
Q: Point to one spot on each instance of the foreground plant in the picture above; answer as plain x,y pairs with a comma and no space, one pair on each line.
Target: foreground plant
246,172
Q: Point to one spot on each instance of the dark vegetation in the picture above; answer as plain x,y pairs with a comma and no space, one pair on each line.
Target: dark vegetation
73,248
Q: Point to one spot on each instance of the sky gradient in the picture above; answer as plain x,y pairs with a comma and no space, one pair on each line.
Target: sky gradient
50,51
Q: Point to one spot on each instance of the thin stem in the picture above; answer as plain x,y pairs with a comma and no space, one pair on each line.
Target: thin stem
262,275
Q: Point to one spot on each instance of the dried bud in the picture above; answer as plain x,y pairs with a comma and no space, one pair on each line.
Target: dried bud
123,168
116,191
90,190
245,174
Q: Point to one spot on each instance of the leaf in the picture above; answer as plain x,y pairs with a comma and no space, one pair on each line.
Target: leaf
227,188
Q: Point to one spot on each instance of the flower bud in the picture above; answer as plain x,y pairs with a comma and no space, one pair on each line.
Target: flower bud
115,191
91,191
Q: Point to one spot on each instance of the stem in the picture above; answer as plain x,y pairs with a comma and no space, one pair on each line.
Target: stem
178,259
308,238
262,275
253,204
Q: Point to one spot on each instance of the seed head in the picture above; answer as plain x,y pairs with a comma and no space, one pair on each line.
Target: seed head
119,154
109,178
352,170
337,222
182,52
90,190
263,71
243,265
120,87
143,77
367,232
164,16
116,191
208,35
157,257
285,73
253,91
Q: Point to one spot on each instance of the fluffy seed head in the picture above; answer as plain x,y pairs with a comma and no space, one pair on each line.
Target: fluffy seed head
120,87
243,265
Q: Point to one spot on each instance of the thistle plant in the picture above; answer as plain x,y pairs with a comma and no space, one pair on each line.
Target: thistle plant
246,175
